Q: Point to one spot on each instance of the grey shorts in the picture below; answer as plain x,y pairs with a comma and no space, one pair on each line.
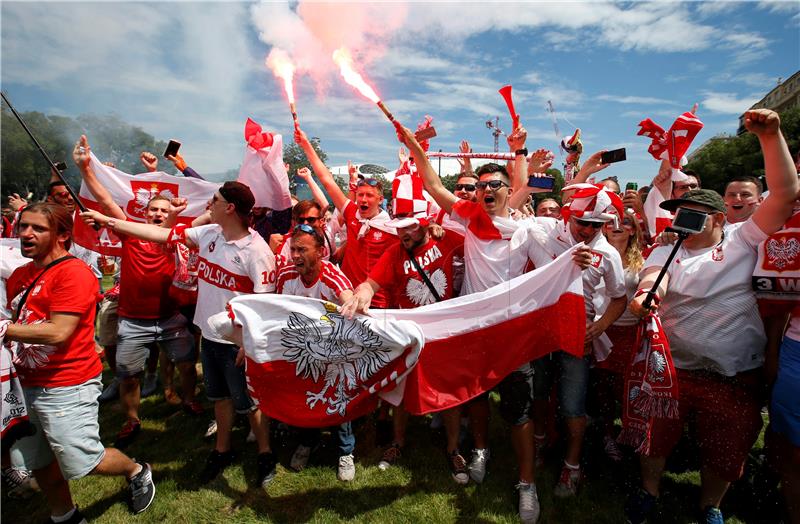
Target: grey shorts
67,429
107,322
134,336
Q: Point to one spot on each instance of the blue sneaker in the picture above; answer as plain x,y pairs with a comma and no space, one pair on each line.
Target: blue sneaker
712,515
639,505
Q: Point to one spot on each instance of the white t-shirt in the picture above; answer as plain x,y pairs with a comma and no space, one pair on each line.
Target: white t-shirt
601,301
228,269
709,312
496,249
604,274
329,284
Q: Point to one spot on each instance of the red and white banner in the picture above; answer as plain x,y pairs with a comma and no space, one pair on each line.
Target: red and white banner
308,366
132,193
262,168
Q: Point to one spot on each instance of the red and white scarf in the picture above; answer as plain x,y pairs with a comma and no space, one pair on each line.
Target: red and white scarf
651,386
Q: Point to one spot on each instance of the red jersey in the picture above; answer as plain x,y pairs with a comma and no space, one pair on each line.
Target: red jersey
144,280
68,287
396,274
361,254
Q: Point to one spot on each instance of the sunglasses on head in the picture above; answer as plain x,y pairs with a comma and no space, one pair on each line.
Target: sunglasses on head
491,184
465,187
586,223
305,228
307,220
367,182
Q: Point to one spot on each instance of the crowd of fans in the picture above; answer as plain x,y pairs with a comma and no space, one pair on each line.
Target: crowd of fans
732,355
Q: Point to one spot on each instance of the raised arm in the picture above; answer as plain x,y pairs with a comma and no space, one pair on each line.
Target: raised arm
433,184
325,176
316,192
778,167
81,154
150,232
360,300
592,165
466,163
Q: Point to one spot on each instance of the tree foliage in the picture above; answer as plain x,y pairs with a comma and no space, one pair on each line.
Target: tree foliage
25,170
725,156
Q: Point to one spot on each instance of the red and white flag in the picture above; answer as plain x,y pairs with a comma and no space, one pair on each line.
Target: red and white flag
308,366
132,193
263,170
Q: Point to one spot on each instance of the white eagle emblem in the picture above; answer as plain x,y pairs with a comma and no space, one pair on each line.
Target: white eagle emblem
783,252
142,197
343,352
420,294
658,364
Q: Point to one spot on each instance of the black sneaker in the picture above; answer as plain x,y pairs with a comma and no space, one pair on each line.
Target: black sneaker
639,506
215,463
76,518
266,468
143,489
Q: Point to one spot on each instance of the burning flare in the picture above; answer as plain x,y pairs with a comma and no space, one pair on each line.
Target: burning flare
345,62
281,65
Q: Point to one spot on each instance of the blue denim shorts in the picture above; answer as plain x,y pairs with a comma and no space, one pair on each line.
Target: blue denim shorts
135,335
222,377
573,381
67,429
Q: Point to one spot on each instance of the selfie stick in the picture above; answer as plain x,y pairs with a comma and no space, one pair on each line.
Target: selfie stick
682,235
44,154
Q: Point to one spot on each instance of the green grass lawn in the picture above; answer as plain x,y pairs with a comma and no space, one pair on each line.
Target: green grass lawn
419,489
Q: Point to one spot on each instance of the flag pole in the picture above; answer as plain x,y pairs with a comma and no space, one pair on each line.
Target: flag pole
682,235
44,154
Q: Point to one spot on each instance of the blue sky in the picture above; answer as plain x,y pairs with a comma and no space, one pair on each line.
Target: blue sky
195,71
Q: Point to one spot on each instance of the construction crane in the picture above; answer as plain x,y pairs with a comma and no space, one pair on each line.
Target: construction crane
496,131
552,111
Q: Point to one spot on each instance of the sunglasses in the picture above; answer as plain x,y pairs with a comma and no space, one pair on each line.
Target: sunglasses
491,184
305,228
307,220
465,187
215,199
586,223
61,194
371,182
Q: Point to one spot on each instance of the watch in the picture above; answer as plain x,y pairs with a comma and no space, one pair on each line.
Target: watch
523,152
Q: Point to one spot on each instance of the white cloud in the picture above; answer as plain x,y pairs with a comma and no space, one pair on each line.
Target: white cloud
649,100
716,7
726,103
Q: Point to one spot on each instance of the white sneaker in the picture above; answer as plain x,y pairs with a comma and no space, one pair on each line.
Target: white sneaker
300,457
477,464
212,429
528,503
347,469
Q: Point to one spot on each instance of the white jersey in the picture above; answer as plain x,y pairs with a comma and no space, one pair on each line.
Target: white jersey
605,267
10,259
601,301
329,284
496,249
709,312
228,269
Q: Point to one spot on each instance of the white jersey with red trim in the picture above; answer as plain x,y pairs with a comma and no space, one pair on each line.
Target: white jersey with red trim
227,269
605,267
329,284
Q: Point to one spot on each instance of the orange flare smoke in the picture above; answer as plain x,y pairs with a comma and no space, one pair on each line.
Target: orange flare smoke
345,62
281,65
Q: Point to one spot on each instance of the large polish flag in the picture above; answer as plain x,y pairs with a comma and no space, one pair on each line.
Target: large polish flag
132,193
308,366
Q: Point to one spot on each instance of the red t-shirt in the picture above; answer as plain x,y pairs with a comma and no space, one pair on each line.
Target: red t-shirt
396,274
361,254
68,287
144,280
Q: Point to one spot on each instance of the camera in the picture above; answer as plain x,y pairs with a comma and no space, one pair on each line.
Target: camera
688,221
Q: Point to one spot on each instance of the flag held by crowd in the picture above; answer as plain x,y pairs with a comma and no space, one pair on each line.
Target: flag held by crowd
132,193
309,366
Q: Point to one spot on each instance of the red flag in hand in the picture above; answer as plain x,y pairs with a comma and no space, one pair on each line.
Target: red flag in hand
254,137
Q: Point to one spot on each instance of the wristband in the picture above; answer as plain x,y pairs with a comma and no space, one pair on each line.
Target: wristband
523,152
